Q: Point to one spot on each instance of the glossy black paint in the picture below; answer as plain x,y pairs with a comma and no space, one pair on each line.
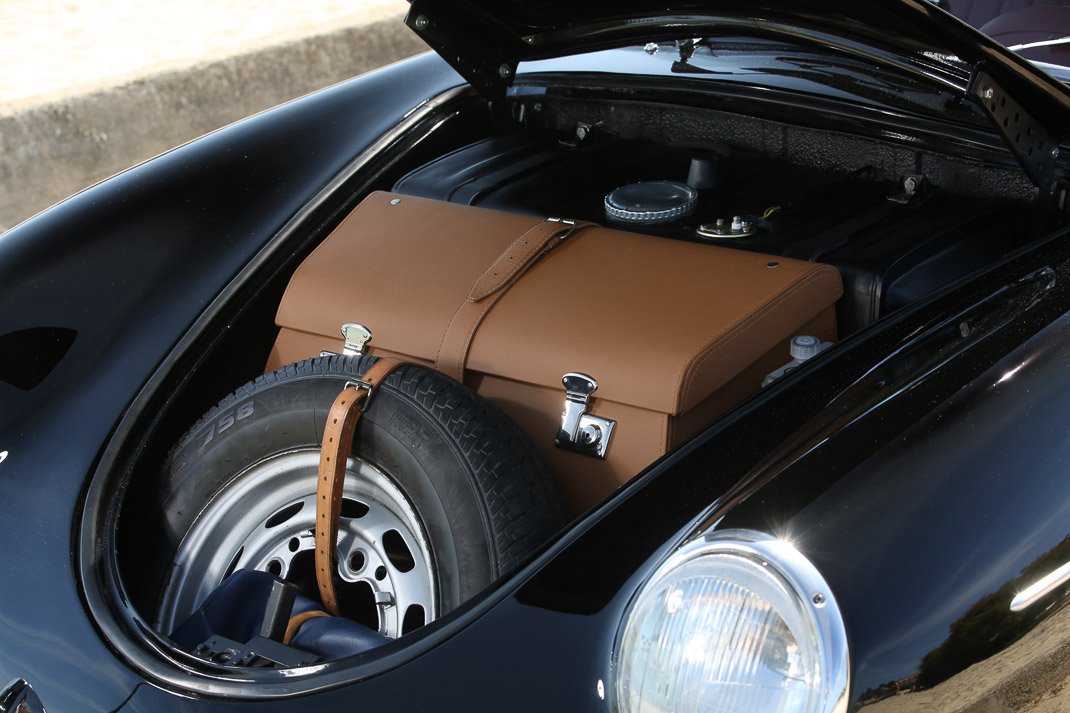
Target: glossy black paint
954,507
907,547
485,40
877,427
128,265
783,69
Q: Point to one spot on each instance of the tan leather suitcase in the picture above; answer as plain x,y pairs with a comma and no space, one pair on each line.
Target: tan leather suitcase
673,332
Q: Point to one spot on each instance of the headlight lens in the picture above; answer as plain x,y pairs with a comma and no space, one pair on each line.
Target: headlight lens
737,622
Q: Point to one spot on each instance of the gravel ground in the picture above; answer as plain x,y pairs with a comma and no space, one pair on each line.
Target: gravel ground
50,49
1030,676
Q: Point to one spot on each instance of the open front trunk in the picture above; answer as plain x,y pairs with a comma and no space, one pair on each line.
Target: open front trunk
787,229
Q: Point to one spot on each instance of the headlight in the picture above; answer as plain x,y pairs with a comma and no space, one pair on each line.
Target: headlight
738,622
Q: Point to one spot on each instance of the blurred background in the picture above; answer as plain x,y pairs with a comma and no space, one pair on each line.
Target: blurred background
91,87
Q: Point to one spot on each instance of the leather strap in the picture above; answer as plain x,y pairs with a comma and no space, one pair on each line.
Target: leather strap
337,445
297,620
524,252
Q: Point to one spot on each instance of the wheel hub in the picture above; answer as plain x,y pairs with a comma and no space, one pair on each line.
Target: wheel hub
263,519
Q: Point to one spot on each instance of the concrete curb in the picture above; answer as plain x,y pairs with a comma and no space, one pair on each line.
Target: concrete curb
50,151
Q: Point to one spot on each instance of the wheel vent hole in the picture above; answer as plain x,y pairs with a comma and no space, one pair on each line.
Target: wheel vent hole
357,560
294,544
275,567
357,602
283,515
414,618
302,572
353,509
380,573
397,551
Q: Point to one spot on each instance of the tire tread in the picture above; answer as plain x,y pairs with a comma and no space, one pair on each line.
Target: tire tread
519,492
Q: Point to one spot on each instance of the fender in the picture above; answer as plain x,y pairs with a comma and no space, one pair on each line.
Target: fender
121,271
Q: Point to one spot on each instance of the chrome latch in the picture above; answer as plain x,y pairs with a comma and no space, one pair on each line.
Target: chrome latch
356,337
19,697
580,431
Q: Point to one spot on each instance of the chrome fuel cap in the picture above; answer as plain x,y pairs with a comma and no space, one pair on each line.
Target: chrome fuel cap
651,202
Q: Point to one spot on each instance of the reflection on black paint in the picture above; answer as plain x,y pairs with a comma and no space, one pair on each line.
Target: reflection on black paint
989,626
985,630
28,356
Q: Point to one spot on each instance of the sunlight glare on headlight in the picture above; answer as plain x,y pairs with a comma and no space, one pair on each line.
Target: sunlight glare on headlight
739,622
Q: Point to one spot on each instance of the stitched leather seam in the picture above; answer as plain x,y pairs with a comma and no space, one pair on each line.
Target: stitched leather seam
745,325
683,377
740,327
487,285
306,263
449,328
472,330
485,302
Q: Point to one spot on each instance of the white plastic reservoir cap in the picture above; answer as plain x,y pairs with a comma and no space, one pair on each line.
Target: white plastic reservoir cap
804,346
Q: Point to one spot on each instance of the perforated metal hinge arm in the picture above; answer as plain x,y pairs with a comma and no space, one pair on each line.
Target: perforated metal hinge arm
1036,148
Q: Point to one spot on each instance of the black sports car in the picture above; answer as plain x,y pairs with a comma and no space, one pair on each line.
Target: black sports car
866,510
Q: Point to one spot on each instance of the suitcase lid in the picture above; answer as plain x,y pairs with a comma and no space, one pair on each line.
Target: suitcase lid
660,323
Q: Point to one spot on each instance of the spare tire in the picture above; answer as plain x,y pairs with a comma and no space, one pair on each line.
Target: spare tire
443,494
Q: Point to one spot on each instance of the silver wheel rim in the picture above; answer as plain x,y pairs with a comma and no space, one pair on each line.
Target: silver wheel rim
263,519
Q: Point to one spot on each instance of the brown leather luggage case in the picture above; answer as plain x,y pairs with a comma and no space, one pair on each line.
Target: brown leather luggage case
675,333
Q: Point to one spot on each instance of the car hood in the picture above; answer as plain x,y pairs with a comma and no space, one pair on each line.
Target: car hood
485,40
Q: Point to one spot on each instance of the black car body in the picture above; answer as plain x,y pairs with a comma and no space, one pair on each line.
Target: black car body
919,464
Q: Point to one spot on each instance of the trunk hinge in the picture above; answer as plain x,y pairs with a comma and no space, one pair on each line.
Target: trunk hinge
1034,146
467,42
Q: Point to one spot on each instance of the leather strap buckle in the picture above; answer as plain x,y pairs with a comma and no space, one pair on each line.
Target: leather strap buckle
337,445
569,227
362,386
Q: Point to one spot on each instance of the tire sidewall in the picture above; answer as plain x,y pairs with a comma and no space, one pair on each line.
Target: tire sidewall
395,435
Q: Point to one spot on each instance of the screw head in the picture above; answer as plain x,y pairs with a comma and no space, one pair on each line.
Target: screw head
651,47
504,71
910,184
988,92
422,22
1055,152
818,599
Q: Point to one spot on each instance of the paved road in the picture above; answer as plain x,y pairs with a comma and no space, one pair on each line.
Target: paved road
50,49
90,87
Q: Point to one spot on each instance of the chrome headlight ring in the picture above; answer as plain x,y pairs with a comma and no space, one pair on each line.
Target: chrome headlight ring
736,620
